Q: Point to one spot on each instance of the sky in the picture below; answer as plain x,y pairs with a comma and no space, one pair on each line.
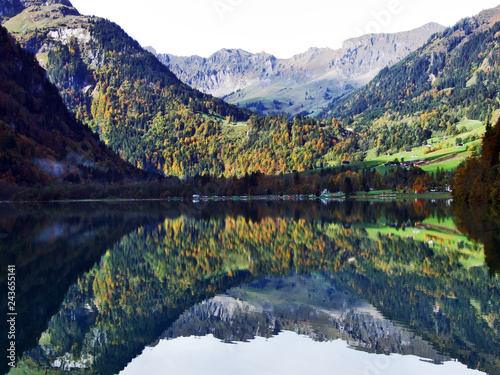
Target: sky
279,27
288,353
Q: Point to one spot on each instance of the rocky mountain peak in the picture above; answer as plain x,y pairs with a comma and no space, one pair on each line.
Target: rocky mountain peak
228,55
311,54
303,83
151,50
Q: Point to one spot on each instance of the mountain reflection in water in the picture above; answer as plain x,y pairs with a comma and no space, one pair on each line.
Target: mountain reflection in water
384,278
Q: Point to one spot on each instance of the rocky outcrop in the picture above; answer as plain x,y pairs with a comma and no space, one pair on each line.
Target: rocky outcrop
302,83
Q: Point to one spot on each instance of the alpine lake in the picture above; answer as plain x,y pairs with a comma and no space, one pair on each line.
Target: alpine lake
249,287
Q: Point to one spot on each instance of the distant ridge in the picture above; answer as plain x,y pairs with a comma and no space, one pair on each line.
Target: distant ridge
433,94
304,83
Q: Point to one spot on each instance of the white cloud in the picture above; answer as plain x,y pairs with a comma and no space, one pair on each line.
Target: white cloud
280,27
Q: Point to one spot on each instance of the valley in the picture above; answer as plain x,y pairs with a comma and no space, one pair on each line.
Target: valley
242,213
412,112
303,84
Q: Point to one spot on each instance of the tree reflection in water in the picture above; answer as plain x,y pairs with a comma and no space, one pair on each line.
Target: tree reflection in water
407,260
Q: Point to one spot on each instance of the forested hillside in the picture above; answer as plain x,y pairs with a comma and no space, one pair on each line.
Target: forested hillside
478,181
152,120
147,116
40,141
454,76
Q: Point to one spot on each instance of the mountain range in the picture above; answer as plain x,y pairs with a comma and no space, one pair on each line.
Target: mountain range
453,76
154,121
302,84
145,114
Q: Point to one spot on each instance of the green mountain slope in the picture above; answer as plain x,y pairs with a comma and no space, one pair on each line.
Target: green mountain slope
40,141
146,115
454,76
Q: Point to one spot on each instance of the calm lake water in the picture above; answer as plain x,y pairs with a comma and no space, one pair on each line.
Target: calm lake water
278,287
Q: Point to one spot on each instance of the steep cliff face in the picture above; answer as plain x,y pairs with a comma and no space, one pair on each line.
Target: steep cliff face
302,83
224,72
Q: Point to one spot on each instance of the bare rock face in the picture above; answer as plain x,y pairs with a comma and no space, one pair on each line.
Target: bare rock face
302,83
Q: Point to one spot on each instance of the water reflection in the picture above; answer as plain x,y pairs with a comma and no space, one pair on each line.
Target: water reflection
482,224
51,245
385,278
287,353
314,306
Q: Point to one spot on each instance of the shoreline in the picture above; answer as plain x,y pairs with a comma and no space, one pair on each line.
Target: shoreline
215,198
